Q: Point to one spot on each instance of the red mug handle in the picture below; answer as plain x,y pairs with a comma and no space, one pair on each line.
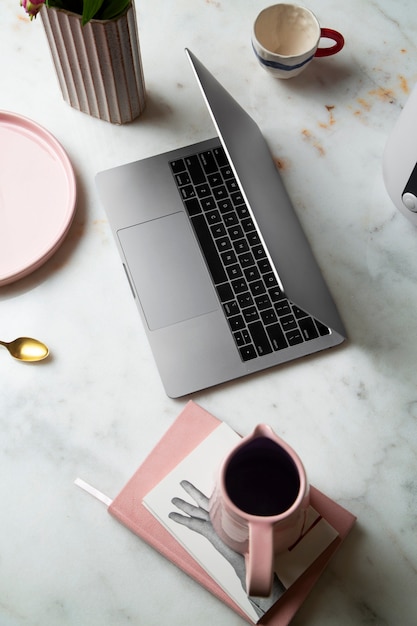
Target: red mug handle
337,37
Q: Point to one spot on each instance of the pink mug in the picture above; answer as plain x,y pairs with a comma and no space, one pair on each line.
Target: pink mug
259,503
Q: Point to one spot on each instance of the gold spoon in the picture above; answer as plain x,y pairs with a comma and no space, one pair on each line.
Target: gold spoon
26,349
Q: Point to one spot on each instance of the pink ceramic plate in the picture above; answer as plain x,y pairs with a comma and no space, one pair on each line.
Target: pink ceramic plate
37,196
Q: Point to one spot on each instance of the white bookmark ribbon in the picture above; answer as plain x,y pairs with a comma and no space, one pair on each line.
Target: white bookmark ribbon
93,491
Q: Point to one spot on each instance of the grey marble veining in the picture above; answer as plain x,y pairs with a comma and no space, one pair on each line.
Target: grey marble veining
96,408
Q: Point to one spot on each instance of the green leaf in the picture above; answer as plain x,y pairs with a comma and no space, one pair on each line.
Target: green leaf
55,3
113,8
76,6
91,7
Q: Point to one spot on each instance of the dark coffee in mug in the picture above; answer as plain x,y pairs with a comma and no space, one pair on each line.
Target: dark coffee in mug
262,479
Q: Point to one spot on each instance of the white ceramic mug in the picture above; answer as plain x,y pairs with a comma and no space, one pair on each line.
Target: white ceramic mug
258,506
286,37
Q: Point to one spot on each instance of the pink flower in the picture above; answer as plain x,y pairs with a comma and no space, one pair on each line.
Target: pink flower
32,7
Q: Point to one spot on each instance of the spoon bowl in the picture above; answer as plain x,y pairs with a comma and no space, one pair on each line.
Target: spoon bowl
26,349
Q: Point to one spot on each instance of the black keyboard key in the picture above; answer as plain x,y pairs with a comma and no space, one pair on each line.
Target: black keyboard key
223,244
182,179
250,314
220,156
257,287
239,338
265,266
220,193
248,224
299,313
239,285
208,161
218,230
258,252
252,273
308,328
263,302
235,232
193,206
245,299
231,308
260,338
226,171
237,198
234,271
215,179
230,219
225,292
232,185
213,217
270,280
294,337
241,246
195,170
254,239
277,337
228,257
236,322
187,192
243,211
246,259
177,166
208,203
269,316
225,206
323,330
282,308
203,190
276,294
209,249
246,336
288,322
247,353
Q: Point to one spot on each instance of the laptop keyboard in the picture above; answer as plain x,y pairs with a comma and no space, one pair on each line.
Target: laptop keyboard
261,318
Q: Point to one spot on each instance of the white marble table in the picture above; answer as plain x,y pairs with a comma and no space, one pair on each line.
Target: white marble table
96,408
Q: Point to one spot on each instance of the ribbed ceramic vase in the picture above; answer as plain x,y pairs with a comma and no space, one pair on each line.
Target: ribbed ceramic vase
99,65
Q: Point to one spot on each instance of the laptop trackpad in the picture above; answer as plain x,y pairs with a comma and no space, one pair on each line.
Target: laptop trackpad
168,271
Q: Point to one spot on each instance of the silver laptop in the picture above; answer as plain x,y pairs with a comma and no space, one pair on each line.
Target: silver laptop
222,273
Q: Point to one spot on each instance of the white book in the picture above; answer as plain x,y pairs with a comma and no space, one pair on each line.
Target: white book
180,503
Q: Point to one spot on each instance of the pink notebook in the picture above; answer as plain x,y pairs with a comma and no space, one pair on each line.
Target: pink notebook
188,430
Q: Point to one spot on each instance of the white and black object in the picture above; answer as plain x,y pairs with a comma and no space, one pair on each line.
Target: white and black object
400,160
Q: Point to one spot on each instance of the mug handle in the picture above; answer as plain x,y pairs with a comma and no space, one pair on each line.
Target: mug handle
337,37
259,560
